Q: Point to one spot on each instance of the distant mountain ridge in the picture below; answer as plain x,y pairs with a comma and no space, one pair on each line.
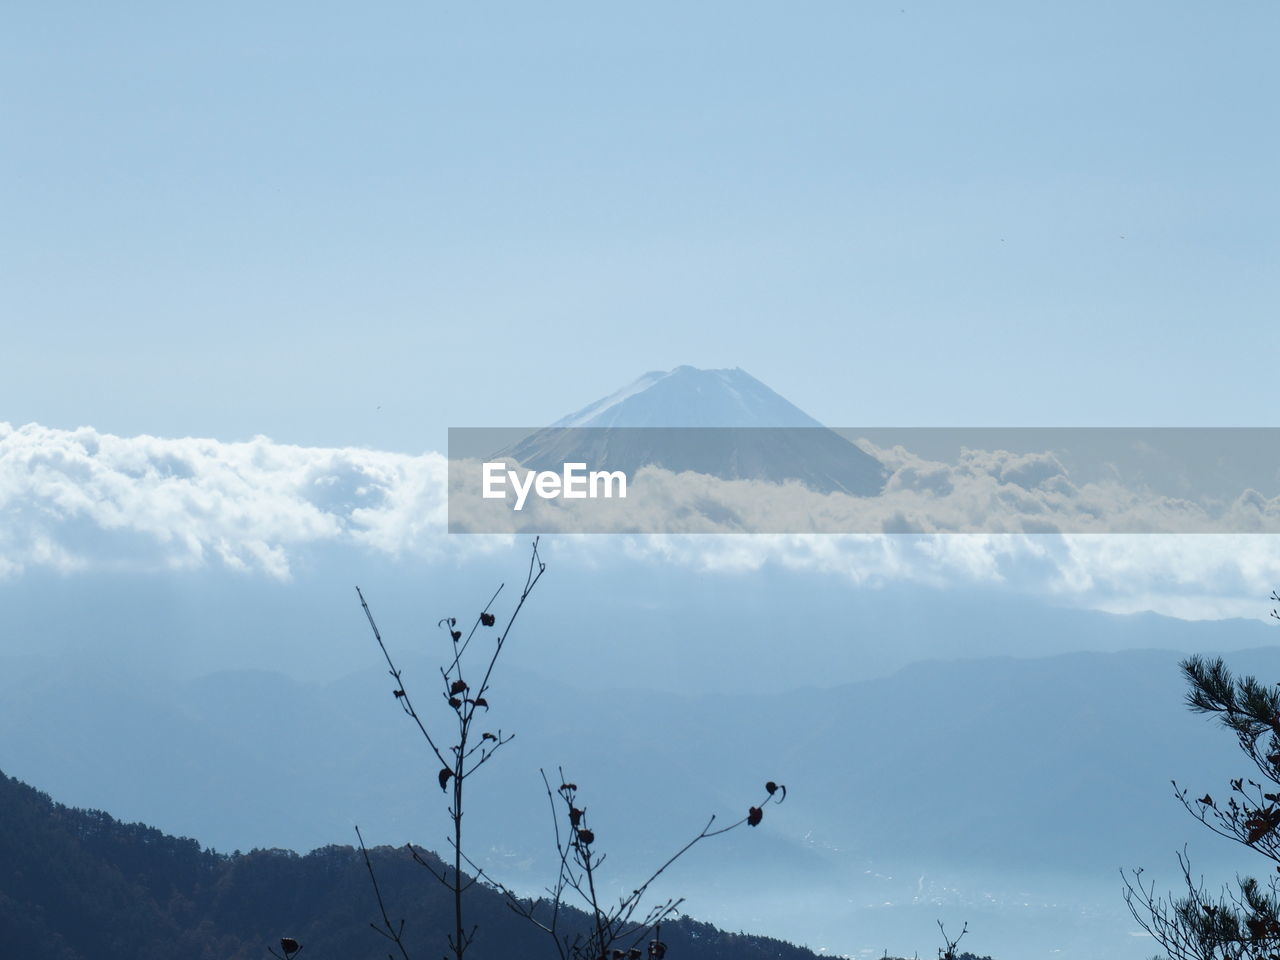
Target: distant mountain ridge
722,423
873,767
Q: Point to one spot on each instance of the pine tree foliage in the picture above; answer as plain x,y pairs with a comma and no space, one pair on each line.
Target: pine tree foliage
1242,921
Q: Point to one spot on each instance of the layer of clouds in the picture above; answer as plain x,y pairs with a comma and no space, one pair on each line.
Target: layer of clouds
84,500
76,499
984,491
1193,576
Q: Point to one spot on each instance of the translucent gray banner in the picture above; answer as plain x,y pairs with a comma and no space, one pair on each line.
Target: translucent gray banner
869,480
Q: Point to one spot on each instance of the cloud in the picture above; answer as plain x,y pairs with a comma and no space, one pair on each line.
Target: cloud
984,491
81,500
77,499
1189,576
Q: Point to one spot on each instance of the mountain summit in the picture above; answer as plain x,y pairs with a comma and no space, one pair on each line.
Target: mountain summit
689,397
722,423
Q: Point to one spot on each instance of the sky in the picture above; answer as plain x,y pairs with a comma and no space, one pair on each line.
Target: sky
357,227
347,228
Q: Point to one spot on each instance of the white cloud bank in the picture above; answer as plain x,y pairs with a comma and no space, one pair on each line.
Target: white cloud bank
76,499
84,500
984,491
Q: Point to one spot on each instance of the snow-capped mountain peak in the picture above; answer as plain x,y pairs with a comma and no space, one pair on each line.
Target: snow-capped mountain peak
723,423
689,397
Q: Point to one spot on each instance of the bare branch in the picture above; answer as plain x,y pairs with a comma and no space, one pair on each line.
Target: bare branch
394,933
464,756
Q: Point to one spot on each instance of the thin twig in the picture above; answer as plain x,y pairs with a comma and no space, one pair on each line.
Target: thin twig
393,933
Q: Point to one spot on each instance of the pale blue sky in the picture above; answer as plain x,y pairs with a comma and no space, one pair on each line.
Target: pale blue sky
240,218
254,218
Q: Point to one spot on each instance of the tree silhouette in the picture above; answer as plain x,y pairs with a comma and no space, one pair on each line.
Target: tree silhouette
1240,922
616,930
466,755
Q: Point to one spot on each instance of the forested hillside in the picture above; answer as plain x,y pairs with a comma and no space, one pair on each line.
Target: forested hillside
80,885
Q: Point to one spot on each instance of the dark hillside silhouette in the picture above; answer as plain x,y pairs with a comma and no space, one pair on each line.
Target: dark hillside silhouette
81,885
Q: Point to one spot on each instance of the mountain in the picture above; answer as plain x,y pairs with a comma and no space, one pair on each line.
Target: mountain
689,397
1005,791
723,423
81,885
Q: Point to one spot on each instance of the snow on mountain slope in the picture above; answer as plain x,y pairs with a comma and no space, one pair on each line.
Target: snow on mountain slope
689,397
587,416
